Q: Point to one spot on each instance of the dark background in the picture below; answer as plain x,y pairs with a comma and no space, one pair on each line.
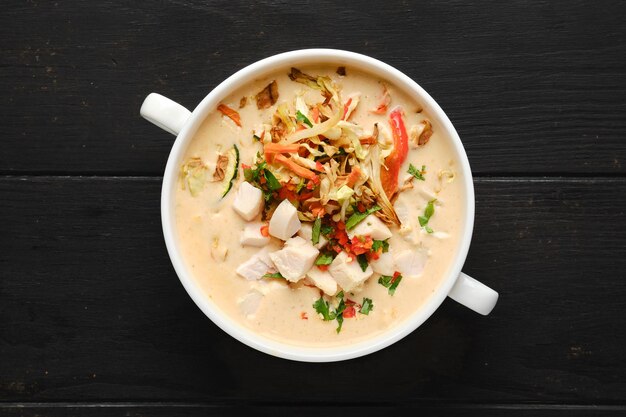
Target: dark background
93,320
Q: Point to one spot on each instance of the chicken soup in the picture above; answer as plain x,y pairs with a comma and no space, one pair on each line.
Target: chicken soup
319,206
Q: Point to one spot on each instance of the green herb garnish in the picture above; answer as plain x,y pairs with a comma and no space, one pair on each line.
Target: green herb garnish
428,212
277,275
272,182
255,137
366,306
357,217
315,235
327,229
362,259
384,244
300,186
324,259
417,173
302,118
321,307
390,282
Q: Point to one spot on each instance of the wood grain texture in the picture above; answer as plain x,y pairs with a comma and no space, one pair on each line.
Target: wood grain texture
195,409
91,310
533,87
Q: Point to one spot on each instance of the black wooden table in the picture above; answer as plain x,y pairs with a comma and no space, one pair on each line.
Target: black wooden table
93,320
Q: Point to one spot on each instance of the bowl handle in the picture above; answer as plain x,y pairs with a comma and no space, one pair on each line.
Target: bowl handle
165,113
473,294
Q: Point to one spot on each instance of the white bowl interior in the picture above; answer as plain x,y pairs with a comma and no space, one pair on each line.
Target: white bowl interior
258,70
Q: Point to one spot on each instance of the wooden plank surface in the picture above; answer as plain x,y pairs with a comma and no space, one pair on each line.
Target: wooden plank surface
91,310
533,87
195,409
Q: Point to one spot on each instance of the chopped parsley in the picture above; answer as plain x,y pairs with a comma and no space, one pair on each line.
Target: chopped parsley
362,259
378,244
322,308
272,182
327,229
317,228
417,173
390,282
277,275
428,212
366,306
357,217
324,259
302,118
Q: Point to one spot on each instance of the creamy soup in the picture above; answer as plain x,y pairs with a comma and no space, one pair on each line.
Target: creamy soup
319,206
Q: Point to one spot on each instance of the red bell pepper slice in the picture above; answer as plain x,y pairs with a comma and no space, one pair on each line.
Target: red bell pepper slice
389,176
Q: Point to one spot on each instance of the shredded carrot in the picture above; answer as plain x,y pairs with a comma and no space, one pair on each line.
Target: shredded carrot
346,108
230,113
271,149
354,176
278,148
315,114
303,315
370,140
297,169
265,230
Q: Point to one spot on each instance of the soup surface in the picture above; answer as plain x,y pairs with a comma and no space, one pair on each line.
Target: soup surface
319,206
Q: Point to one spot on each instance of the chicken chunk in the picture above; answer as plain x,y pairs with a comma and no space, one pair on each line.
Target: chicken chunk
284,222
295,259
248,201
306,233
371,226
322,280
347,273
251,235
384,265
411,263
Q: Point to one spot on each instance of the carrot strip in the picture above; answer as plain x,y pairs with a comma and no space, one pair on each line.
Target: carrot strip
295,168
279,148
230,113
346,108
368,141
354,176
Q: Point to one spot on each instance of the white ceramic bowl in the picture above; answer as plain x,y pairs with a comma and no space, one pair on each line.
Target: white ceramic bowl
179,121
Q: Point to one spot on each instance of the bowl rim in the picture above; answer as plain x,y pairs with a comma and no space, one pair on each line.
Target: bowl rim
209,308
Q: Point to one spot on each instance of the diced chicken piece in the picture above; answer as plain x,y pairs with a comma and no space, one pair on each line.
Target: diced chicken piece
322,280
348,274
264,255
411,263
284,222
248,201
295,259
306,233
384,265
250,303
371,226
404,215
251,235
252,269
